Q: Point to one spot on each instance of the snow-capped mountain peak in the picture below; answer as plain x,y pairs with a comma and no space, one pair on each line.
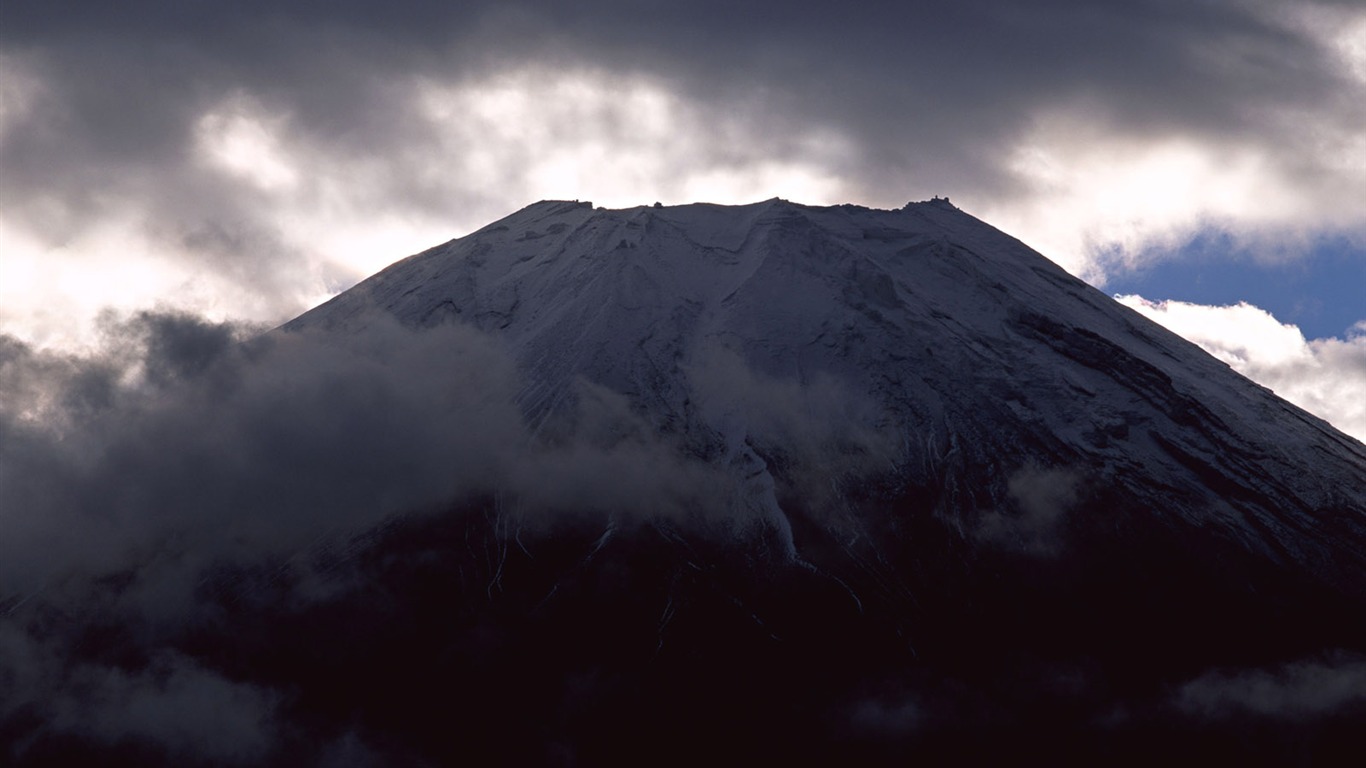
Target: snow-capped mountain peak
936,332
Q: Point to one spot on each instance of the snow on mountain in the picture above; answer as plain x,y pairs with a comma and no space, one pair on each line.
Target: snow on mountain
975,357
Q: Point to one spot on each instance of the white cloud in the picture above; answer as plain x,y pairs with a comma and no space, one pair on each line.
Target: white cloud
1096,201
479,150
54,295
1092,193
619,140
1326,377
1097,193
241,139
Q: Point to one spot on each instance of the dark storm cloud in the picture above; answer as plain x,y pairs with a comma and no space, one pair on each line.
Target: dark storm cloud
931,95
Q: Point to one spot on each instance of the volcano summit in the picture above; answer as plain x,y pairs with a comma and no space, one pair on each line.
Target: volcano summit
765,482
922,338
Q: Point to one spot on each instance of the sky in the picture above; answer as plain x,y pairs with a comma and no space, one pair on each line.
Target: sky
1203,160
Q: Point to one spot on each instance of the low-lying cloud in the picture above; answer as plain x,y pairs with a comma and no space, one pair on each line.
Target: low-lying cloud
1306,689
179,435
130,475
814,422
1041,497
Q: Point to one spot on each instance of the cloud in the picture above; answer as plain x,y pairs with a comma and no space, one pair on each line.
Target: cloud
1326,377
133,476
176,704
248,160
212,439
1306,689
1042,497
169,702
820,425
181,429
1100,204
887,718
605,457
180,441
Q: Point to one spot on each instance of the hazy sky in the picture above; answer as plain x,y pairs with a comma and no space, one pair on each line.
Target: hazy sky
245,160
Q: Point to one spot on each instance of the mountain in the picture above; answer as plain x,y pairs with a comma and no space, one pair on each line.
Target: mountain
962,469
970,355
781,483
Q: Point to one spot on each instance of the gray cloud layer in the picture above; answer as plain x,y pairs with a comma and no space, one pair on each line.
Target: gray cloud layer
128,475
105,106
177,445
180,443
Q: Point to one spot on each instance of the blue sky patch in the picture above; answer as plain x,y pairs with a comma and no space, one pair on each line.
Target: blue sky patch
1323,292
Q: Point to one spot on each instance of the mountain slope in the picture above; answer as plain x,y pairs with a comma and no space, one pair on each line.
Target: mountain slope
950,339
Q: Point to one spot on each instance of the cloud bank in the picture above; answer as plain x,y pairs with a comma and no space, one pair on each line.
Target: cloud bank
181,442
186,463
